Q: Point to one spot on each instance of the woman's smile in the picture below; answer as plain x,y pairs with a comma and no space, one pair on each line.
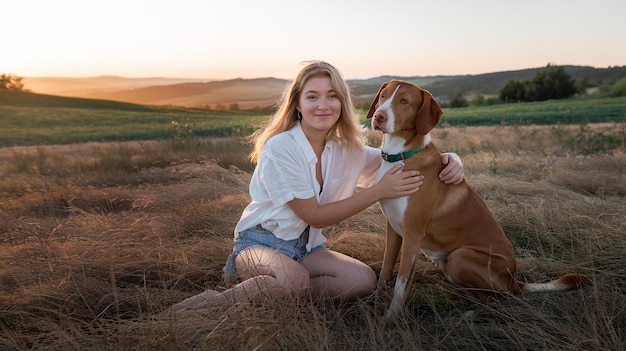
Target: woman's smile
319,104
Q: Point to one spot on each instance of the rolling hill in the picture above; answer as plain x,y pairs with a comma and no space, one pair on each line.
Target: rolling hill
84,86
34,100
246,93
261,93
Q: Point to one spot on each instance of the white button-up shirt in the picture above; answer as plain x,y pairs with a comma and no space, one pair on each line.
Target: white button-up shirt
286,171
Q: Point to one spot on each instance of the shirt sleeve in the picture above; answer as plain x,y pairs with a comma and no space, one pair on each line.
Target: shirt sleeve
373,160
284,173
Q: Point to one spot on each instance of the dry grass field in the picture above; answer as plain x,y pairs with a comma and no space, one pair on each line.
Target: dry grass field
98,240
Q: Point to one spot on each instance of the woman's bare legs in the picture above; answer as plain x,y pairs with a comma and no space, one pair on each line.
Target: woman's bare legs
265,272
338,276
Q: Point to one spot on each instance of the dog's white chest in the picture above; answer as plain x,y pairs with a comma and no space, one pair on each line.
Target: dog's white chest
393,209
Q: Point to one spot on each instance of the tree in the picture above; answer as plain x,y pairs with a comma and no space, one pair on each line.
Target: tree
513,91
619,88
479,100
581,84
551,82
458,100
11,82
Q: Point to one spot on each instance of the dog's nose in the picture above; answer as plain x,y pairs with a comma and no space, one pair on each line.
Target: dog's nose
380,116
379,119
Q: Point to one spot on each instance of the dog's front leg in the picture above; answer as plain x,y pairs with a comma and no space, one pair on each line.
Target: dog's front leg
410,251
393,241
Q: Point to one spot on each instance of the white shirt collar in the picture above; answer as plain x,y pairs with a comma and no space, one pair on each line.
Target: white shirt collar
303,142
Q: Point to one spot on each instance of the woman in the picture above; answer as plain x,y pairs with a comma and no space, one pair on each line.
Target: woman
309,160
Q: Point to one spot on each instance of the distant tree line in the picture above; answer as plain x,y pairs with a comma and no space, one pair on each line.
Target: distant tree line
11,82
618,89
549,83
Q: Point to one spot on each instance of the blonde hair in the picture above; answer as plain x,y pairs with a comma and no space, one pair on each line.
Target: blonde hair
347,130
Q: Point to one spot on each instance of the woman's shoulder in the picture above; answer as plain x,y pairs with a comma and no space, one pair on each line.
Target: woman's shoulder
281,140
352,150
285,143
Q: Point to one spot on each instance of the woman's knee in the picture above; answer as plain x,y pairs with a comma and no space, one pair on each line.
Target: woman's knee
364,282
355,281
280,271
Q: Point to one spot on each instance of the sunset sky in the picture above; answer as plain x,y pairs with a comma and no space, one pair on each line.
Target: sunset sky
254,38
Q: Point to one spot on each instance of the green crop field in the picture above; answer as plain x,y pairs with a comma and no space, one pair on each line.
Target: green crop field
569,111
32,119
36,125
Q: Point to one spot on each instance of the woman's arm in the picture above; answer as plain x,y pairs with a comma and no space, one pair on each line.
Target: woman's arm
392,185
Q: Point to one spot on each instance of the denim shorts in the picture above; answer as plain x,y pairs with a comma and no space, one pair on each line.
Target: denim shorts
258,236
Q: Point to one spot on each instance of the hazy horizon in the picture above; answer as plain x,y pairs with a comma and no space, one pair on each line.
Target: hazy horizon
104,76
250,39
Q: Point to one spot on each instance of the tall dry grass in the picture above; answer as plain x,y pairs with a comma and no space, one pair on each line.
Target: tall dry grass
98,240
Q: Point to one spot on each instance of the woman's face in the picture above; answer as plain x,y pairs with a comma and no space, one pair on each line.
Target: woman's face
319,104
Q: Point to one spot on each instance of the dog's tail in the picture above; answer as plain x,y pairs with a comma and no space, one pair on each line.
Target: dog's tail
567,282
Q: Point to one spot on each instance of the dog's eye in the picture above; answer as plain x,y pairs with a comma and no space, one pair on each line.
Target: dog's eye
382,96
404,101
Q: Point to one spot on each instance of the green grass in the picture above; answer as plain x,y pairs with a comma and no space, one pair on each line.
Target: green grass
36,126
569,111
34,119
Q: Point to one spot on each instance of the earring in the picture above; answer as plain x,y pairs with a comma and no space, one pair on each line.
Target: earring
299,116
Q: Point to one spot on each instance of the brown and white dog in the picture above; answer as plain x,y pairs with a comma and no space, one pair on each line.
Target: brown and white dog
450,224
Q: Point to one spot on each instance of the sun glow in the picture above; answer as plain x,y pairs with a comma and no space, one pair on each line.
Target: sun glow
248,39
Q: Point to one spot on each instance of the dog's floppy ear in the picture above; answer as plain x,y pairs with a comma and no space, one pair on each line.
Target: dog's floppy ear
370,113
429,114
